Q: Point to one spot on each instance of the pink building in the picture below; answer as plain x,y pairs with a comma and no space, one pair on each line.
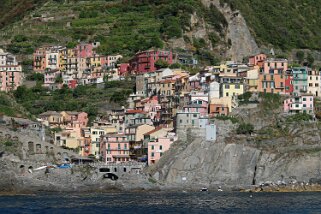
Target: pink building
144,61
156,148
110,62
299,104
115,148
152,106
85,50
197,105
257,59
75,119
10,77
50,77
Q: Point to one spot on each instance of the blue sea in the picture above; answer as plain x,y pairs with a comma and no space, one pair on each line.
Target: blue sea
160,202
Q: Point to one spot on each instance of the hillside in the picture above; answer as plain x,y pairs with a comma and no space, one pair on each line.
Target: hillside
13,10
121,26
212,30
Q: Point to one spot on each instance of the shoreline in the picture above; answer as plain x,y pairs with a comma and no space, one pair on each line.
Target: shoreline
269,189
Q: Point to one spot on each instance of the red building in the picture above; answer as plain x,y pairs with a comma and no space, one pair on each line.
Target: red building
72,84
123,69
144,61
288,83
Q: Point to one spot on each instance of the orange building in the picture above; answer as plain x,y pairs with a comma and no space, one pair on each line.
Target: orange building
272,76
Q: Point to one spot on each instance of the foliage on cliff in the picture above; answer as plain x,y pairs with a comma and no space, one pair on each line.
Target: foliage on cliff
282,23
121,26
84,98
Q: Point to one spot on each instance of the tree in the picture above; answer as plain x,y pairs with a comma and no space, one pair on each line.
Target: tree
161,64
310,59
175,65
300,56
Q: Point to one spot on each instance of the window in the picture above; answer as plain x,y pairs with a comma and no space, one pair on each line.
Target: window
152,147
160,147
237,86
304,99
153,154
194,115
180,121
161,154
304,105
227,86
226,94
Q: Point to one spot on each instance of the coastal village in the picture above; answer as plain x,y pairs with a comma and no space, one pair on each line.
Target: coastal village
167,101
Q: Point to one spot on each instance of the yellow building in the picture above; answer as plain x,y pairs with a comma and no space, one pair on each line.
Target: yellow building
231,86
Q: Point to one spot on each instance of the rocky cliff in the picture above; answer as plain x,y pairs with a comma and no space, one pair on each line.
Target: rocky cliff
280,151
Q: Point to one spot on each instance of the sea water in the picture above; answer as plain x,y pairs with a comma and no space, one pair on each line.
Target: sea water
163,202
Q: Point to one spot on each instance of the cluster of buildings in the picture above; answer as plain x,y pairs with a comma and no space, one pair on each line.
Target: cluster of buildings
75,66
11,75
169,102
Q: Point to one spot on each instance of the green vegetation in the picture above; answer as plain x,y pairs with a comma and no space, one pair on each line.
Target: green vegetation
231,118
84,98
299,117
121,26
285,24
270,101
9,107
245,128
245,98
10,146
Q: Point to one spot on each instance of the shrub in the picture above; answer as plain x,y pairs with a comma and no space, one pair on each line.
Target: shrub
299,117
223,117
245,128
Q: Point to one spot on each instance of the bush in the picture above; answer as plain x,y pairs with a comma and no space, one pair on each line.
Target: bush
223,117
299,117
245,128
8,143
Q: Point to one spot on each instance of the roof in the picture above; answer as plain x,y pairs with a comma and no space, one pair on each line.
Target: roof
73,112
133,111
153,131
49,113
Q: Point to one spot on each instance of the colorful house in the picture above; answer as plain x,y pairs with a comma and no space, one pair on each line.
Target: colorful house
39,59
299,104
288,82
197,105
50,77
11,77
272,76
157,147
144,61
300,80
231,86
257,59
314,83
115,148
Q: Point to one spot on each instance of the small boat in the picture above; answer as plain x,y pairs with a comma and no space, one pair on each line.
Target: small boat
219,189
204,189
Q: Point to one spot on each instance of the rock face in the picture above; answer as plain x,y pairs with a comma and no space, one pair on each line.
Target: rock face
211,163
242,42
235,160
